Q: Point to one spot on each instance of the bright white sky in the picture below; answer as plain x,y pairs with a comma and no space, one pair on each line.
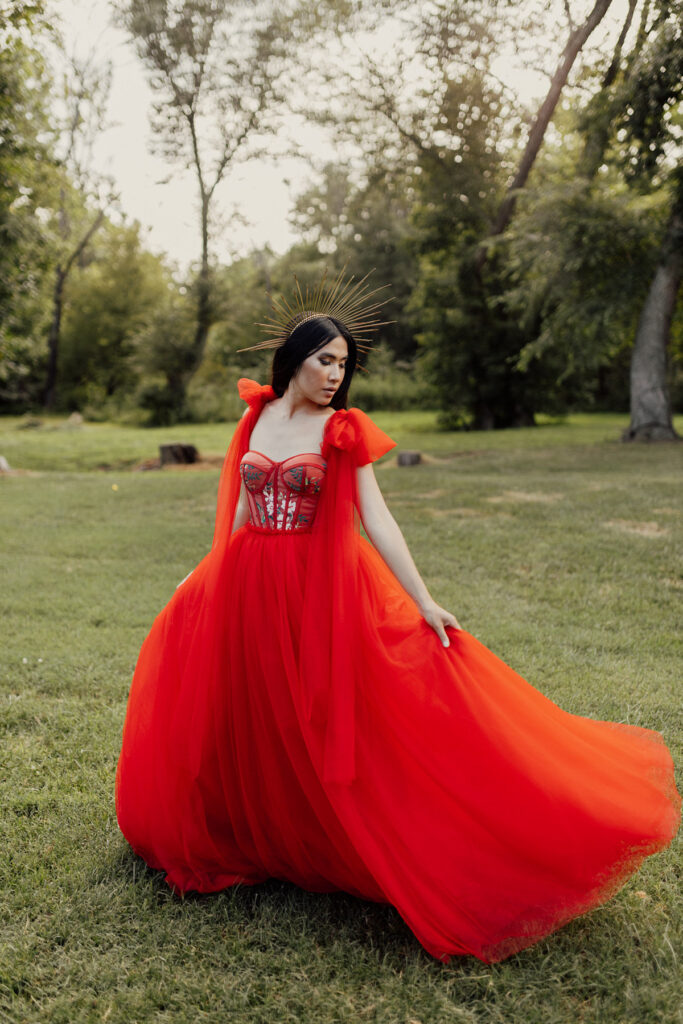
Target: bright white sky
262,190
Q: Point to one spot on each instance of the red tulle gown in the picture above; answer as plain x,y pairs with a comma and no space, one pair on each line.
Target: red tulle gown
293,716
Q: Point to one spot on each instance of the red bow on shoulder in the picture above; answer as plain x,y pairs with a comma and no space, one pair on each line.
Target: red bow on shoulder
253,393
342,430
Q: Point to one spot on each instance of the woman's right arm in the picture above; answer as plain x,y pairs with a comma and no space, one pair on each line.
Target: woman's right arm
242,510
386,536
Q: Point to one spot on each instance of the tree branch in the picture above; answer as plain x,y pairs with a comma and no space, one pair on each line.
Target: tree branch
537,131
83,242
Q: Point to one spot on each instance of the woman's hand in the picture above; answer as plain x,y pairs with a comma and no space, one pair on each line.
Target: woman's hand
183,580
383,531
438,618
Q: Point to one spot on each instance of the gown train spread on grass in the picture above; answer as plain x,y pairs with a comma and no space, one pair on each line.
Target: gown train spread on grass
292,715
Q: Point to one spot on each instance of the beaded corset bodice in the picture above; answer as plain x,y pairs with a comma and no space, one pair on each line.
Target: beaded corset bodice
282,496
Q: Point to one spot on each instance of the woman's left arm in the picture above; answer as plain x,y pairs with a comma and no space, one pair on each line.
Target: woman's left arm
386,536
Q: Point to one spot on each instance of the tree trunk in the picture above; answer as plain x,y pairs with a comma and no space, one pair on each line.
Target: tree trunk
204,312
50,393
650,405
203,318
537,132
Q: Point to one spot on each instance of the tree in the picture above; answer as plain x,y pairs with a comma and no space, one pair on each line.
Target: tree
650,402
578,36
367,225
652,136
83,194
586,242
578,255
598,258
459,300
111,300
25,174
214,66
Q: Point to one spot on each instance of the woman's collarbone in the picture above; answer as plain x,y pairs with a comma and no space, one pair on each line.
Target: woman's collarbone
280,444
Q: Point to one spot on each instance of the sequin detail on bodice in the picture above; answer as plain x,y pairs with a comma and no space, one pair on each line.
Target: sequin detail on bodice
282,496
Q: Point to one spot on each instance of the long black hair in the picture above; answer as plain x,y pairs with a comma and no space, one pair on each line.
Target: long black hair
303,341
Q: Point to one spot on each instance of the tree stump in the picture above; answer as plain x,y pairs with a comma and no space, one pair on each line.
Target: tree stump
409,458
176,453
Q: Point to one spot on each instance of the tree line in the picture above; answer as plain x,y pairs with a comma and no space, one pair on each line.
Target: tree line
534,255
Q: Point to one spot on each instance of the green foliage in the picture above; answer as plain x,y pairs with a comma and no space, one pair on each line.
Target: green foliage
545,327
462,171
26,250
241,301
215,66
582,253
471,346
580,258
366,225
648,123
164,354
111,299
469,341
387,383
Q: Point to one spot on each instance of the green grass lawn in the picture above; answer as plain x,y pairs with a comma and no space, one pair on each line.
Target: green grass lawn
558,547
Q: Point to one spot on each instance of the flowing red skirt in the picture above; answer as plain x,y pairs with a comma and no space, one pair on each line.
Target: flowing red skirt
483,812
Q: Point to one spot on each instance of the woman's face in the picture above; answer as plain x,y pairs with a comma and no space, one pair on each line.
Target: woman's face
320,375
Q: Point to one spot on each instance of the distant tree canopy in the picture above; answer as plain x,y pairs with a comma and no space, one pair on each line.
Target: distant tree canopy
534,257
214,66
513,306
26,171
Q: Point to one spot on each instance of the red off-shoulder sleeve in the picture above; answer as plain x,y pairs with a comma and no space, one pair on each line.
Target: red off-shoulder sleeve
253,393
353,430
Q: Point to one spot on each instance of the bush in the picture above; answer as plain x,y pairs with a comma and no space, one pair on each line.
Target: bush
392,386
212,394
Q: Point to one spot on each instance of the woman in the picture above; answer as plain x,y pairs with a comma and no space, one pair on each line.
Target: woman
303,709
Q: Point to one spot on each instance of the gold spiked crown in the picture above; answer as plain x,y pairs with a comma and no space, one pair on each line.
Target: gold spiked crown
345,301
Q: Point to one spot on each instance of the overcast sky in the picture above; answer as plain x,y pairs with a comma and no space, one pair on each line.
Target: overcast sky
263,190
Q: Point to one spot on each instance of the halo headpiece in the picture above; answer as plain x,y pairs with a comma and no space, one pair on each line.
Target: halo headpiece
345,301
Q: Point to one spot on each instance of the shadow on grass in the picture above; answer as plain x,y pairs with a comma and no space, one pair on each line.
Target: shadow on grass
277,914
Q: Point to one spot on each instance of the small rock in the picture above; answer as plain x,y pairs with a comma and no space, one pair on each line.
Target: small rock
409,458
4,465
177,452
75,419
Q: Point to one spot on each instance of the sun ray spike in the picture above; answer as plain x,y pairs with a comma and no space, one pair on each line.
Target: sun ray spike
350,300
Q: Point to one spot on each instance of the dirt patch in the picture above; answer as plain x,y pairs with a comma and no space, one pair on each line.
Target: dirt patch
205,462
526,497
632,526
400,498
465,513
429,460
